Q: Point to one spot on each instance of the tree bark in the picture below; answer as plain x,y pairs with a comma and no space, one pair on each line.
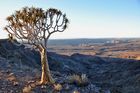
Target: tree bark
46,75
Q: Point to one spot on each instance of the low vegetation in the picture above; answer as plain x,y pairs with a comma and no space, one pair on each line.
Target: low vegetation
79,80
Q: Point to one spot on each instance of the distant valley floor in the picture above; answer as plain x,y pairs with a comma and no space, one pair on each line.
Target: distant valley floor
116,48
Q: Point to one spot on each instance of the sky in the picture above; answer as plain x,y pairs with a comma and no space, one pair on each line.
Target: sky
88,18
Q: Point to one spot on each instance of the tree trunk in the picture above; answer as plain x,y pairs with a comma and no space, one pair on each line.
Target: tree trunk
46,75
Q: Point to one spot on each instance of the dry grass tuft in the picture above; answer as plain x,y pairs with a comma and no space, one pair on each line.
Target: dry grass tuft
80,80
57,87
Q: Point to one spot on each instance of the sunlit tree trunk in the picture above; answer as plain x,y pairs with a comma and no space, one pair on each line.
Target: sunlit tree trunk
46,75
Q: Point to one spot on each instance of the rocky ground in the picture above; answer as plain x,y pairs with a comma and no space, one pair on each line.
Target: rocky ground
20,70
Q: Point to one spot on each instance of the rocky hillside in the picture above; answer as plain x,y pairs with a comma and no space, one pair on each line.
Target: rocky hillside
20,68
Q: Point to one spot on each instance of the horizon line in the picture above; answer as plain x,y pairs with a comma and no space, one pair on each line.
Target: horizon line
89,38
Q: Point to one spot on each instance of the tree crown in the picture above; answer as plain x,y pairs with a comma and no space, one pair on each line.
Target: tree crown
35,25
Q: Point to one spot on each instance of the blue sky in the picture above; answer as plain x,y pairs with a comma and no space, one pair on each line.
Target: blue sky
88,18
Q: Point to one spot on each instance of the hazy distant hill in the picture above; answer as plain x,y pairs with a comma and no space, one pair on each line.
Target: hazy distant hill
85,41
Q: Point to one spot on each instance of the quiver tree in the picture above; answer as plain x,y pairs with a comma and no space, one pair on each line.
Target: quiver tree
34,26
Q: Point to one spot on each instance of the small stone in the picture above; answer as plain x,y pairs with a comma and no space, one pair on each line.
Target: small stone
11,78
11,91
7,71
8,66
67,87
76,91
16,84
33,85
11,74
31,81
43,86
27,90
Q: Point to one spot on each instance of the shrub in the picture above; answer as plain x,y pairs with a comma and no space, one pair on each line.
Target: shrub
57,87
79,80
